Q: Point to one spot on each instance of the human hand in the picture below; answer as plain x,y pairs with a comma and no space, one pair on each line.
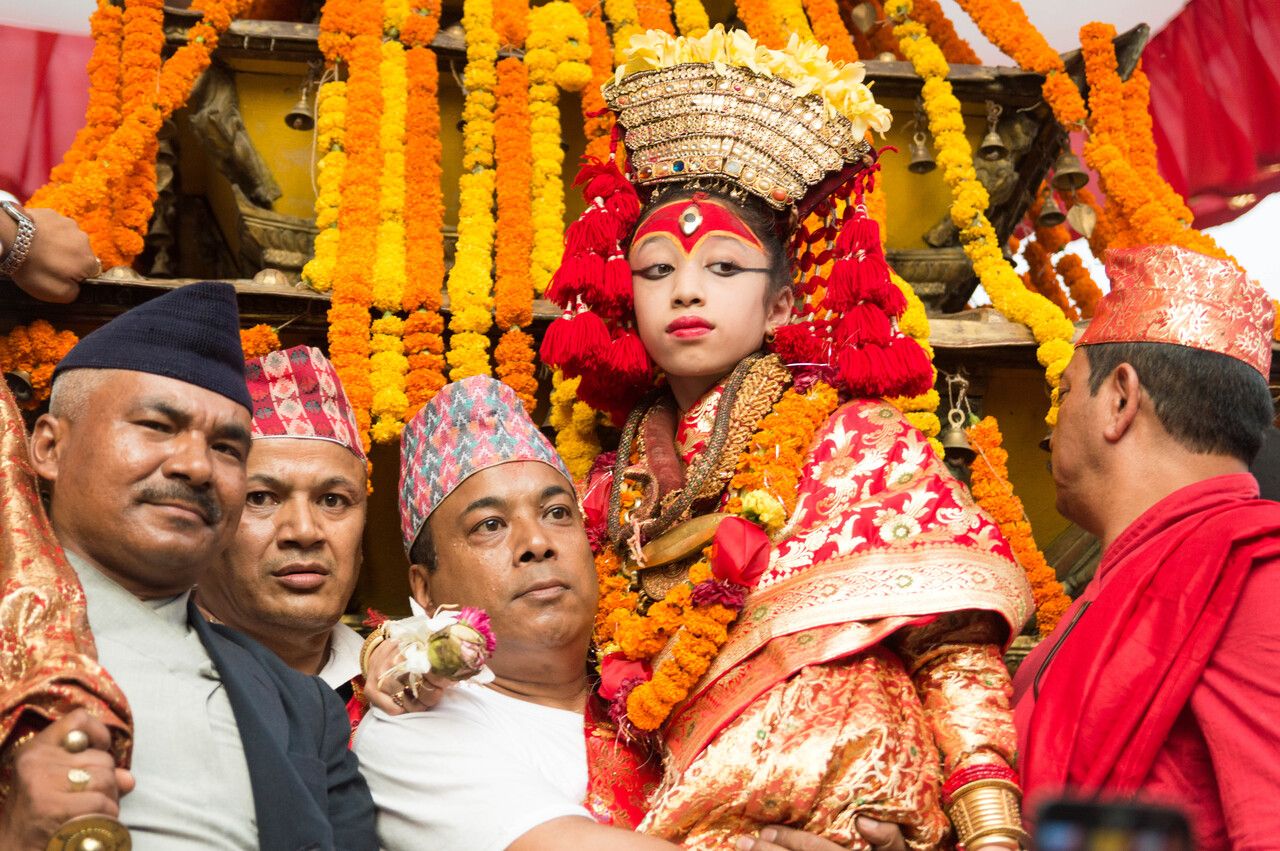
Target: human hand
395,696
46,789
59,259
882,836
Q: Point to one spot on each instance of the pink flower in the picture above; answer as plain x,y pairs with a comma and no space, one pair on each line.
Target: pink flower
717,593
478,619
740,552
617,671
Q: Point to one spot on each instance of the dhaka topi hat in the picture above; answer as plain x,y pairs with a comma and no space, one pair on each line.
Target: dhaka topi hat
469,426
296,393
191,334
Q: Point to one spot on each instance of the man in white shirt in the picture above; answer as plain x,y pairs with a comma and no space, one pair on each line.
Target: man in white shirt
289,573
490,519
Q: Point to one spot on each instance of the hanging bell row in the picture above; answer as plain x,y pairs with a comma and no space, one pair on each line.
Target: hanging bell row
1068,174
1051,214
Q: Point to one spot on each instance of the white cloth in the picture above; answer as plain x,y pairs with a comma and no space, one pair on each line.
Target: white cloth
475,773
193,790
343,664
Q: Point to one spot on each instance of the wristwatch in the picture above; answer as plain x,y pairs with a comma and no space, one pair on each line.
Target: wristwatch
12,258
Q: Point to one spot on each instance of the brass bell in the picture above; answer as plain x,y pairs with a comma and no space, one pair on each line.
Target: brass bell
1068,174
1051,214
19,381
955,443
993,146
922,161
863,17
300,117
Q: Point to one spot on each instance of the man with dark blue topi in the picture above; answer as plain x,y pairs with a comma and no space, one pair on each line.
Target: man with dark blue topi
144,449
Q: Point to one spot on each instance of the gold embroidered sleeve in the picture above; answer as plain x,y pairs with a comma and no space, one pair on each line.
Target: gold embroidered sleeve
964,687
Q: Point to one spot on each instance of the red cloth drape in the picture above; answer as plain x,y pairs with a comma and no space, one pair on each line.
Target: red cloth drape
45,88
1215,102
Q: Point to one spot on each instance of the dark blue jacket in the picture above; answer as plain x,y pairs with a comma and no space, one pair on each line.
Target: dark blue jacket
307,788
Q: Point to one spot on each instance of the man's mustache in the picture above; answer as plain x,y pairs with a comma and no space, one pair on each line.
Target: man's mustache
179,493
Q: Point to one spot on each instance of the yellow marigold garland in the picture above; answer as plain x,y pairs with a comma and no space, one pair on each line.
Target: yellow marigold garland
575,425
258,341
691,18
994,493
624,19
387,369
469,282
829,29
953,47
331,111
1052,330
792,17
557,52
35,349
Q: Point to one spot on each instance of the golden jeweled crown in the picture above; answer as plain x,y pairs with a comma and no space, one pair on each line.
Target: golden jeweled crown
773,122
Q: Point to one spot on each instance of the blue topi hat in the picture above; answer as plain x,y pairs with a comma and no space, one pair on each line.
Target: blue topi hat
191,333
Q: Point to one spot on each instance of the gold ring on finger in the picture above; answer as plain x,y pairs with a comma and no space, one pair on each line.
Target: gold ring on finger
75,741
398,698
79,779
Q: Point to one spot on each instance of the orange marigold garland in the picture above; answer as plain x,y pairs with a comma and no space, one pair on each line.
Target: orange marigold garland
1045,280
829,29
35,349
349,333
513,286
687,628
598,120
994,493
143,43
655,15
955,48
258,341
423,210
1005,24
96,180
1084,292
762,23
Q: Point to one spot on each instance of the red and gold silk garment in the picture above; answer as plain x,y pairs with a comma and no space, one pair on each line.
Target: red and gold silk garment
621,778
48,661
866,665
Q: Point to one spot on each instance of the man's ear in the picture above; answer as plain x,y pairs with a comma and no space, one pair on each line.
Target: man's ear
1124,397
420,586
47,440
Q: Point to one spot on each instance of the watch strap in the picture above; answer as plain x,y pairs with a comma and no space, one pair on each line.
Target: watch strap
13,259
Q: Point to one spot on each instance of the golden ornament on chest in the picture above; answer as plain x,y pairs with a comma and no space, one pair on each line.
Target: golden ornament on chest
667,558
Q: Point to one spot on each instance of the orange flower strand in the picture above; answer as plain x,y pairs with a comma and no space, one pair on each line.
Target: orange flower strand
1084,292
954,48
35,349
258,341
1045,279
829,29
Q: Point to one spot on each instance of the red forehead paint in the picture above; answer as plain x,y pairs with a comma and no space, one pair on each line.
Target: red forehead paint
689,222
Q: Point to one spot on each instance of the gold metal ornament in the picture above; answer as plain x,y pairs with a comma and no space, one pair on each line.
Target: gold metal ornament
1068,174
955,443
922,161
91,833
1051,214
1082,219
863,17
300,117
993,146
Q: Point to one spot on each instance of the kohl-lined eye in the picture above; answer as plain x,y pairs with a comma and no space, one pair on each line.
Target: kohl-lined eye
725,268
655,272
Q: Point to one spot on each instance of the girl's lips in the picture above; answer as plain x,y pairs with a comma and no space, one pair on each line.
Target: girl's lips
685,327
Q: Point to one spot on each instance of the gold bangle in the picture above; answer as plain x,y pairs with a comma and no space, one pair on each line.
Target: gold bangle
985,808
371,643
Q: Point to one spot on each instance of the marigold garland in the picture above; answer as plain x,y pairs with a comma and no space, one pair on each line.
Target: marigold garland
331,111
556,55
35,349
387,369
143,43
1005,24
102,179
1101,238
762,24
624,20
1084,292
994,493
655,15
954,48
829,29
688,627
469,281
358,215
423,210
596,118
792,17
575,426
258,341
513,287
1044,278
1052,330
691,18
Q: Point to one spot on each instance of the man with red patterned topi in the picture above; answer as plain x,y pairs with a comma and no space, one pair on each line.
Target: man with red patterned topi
288,575
1160,682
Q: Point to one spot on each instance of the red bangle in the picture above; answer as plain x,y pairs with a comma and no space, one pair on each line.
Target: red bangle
982,771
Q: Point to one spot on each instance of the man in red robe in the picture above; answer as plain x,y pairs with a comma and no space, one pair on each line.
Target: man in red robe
1162,682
